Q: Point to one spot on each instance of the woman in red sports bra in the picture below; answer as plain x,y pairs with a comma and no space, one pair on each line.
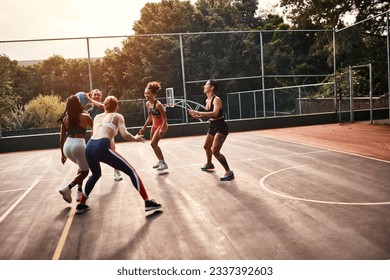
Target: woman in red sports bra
156,114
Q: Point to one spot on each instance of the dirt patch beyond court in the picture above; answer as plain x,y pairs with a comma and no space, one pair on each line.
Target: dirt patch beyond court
363,138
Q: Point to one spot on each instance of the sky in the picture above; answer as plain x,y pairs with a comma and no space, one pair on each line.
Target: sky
47,19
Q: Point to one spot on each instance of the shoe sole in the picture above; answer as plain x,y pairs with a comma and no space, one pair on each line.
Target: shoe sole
81,211
162,169
64,197
227,179
118,179
209,170
152,208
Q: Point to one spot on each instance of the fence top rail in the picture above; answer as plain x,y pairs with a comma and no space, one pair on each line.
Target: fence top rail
165,34
369,18
267,89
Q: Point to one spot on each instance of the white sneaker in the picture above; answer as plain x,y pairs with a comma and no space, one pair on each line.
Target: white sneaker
66,194
157,165
162,166
117,175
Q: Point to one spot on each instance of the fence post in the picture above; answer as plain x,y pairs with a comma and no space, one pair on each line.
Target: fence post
351,104
262,71
388,61
89,67
184,76
370,74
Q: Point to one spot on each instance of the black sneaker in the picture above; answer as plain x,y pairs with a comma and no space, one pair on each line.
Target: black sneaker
150,205
228,177
208,167
81,208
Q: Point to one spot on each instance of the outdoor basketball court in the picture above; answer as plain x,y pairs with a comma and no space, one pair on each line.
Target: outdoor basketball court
289,201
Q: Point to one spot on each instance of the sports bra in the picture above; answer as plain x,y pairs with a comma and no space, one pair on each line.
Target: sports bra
73,130
154,111
109,124
220,113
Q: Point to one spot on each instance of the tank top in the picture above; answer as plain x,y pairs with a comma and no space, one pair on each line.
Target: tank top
220,113
154,111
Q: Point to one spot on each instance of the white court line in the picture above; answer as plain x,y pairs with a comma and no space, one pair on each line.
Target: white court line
263,186
25,166
17,202
323,148
14,190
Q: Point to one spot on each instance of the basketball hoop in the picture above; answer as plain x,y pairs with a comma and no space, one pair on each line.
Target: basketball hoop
170,97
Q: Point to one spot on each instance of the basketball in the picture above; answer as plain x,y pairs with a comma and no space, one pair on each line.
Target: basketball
83,100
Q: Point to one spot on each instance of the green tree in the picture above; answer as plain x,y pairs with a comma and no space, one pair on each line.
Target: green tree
53,73
8,98
45,110
330,13
168,16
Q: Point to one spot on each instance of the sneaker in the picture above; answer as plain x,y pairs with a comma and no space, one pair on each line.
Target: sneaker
81,208
117,175
66,194
78,195
150,204
208,167
157,165
162,166
228,177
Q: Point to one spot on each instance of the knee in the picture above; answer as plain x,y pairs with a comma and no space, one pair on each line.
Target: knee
84,174
215,152
154,144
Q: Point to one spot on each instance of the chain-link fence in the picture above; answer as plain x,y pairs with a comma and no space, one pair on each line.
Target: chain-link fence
265,73
362,60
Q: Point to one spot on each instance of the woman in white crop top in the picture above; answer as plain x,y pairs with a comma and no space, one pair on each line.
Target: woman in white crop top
99,149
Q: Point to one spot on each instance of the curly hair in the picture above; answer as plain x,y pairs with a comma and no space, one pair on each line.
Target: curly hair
154,86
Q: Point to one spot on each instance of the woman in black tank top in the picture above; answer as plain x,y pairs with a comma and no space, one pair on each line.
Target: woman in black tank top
218,129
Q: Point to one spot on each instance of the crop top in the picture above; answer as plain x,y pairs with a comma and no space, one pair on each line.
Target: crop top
220,113
73,130
109,124
154,111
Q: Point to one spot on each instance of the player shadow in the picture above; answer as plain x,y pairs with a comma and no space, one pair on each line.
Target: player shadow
126,251
64,213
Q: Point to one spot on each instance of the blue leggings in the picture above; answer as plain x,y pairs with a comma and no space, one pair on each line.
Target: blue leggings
97,151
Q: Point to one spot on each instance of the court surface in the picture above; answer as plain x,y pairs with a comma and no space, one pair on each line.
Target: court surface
289,201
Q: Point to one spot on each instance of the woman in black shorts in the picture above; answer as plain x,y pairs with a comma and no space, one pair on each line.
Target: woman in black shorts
218,129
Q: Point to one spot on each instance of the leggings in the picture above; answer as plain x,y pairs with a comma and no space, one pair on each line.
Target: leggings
74,149
97,151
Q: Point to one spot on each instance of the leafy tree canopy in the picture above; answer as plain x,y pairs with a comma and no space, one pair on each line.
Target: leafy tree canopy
310,14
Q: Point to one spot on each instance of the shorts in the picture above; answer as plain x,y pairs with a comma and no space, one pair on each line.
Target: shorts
157,123
218,126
